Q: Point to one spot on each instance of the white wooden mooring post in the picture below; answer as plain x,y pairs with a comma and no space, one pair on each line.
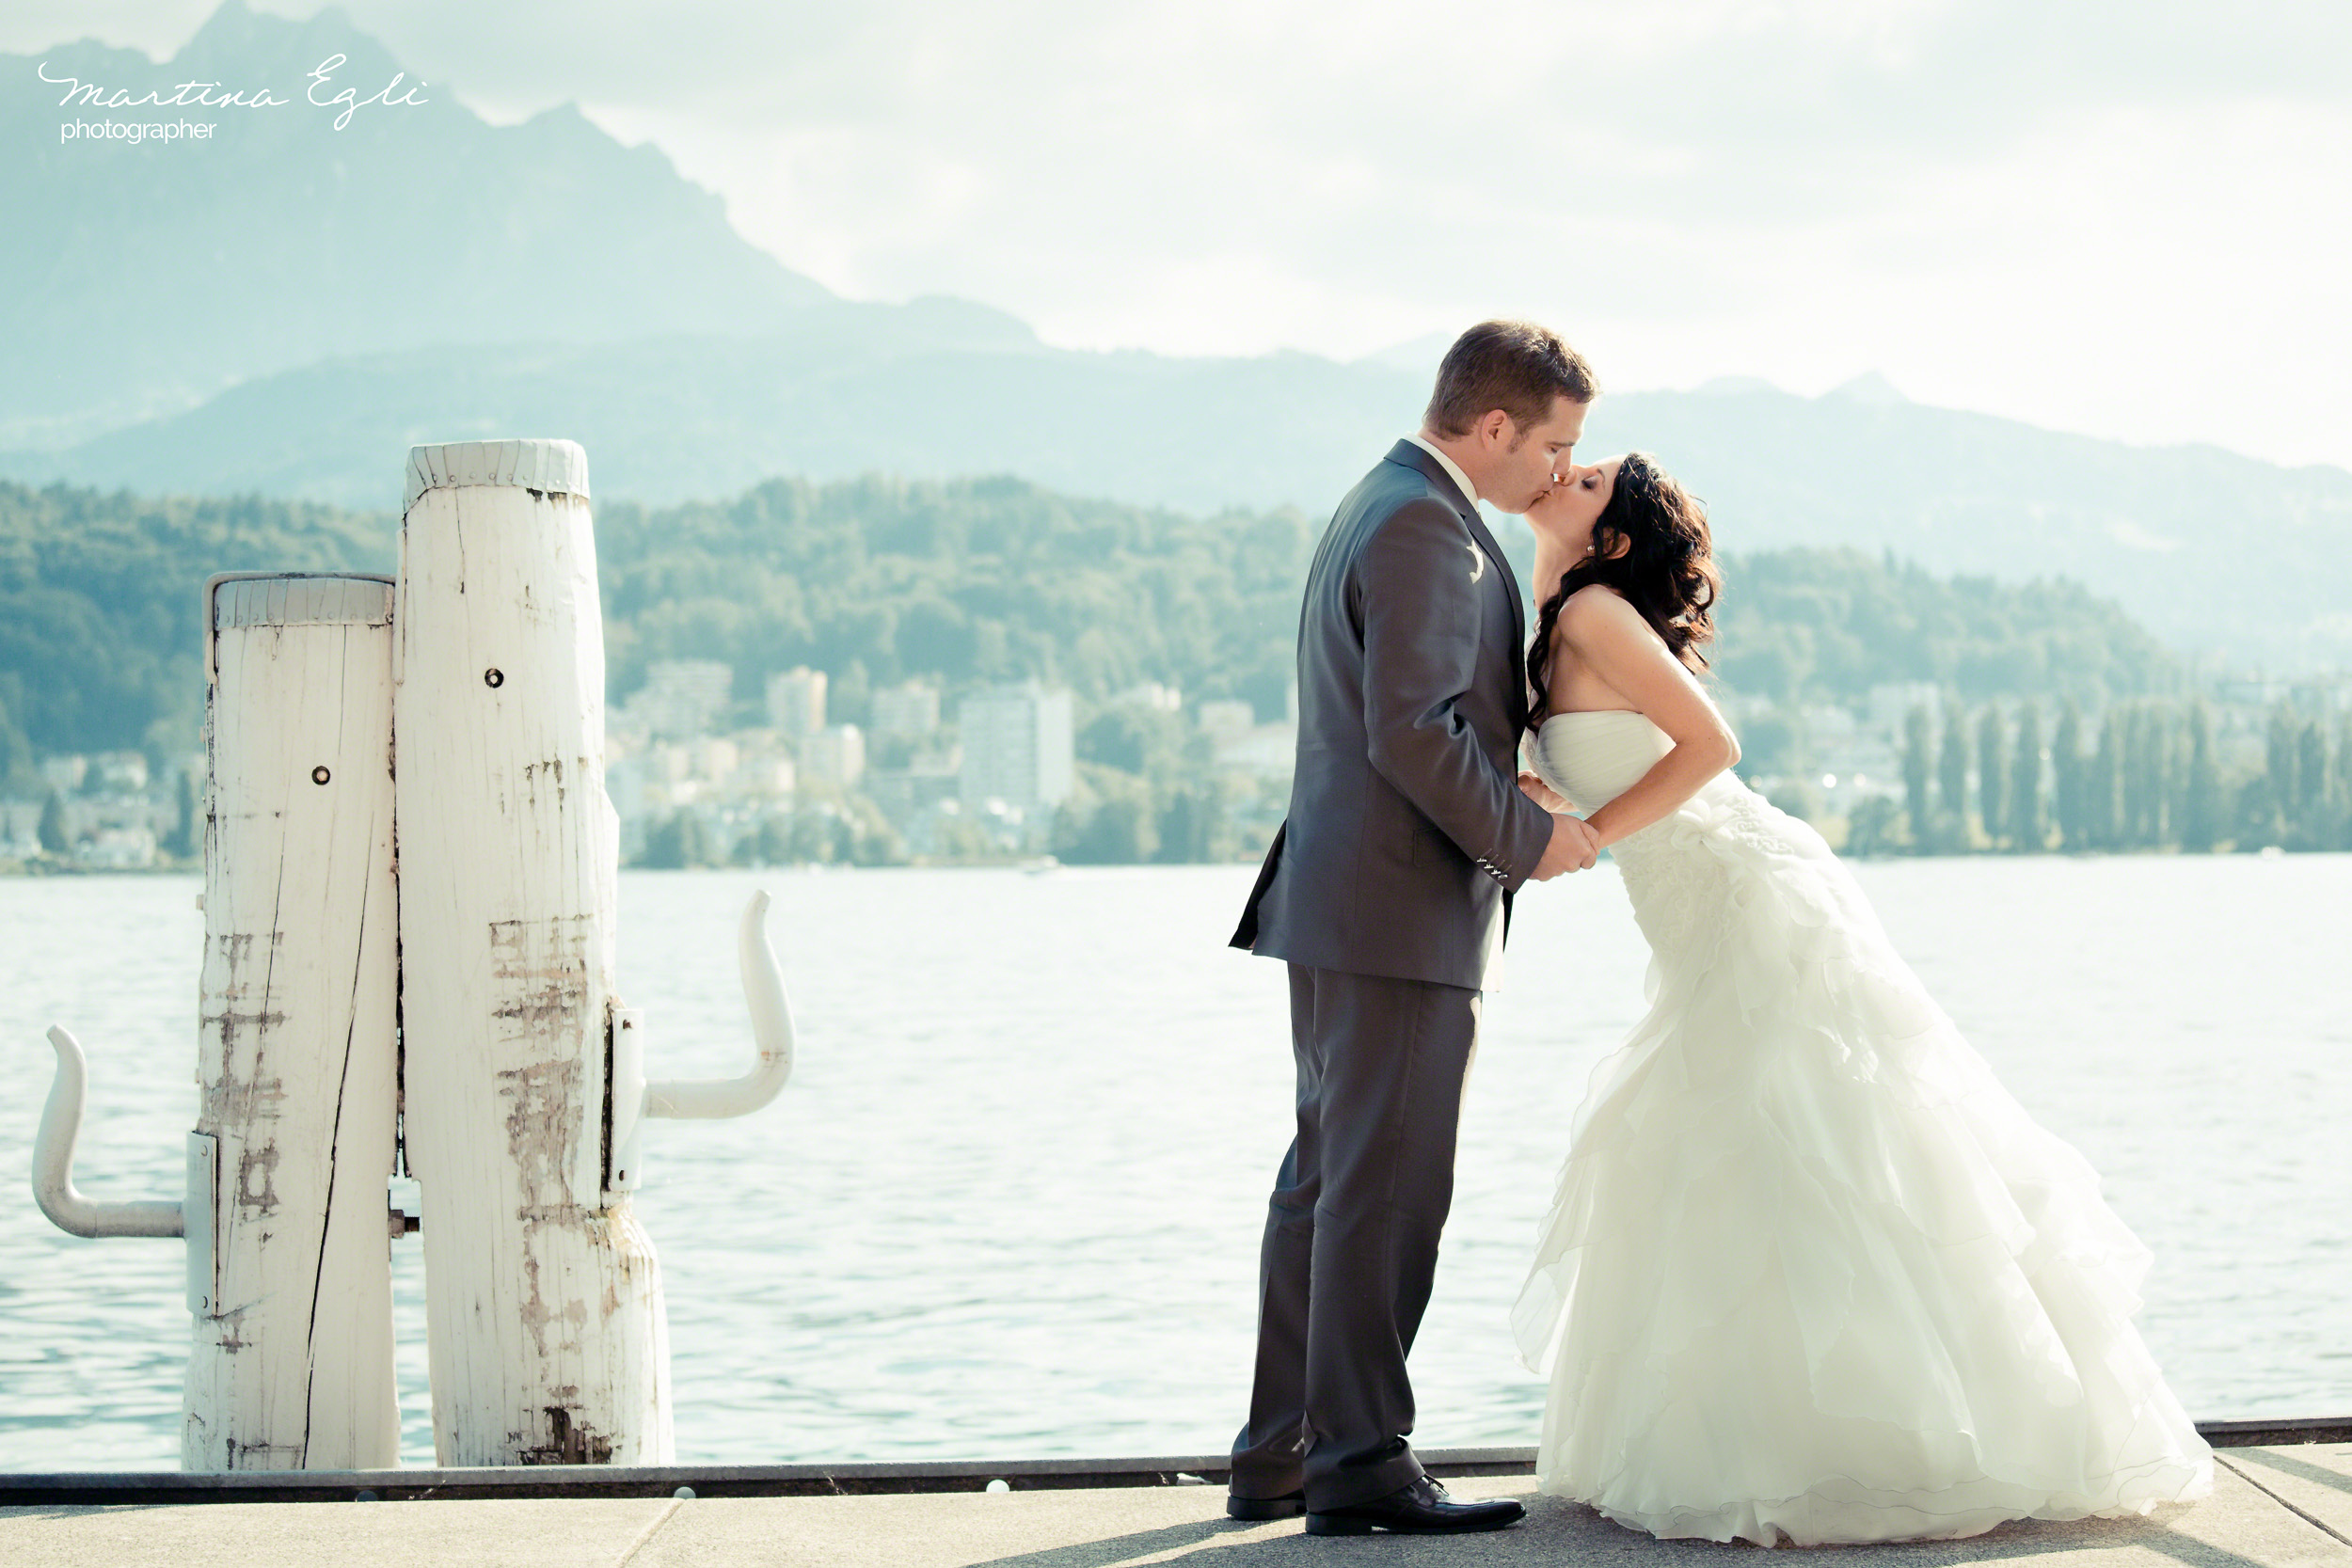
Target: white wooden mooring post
296,1042
543,1308
431,941
285,1218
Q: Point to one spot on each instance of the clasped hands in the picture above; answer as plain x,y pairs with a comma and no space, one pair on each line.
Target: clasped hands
1574,846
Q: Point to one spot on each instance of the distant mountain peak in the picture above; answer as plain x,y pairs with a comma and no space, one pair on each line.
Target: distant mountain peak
229,19
238,40
1415,354
1871,390
966,320
301,234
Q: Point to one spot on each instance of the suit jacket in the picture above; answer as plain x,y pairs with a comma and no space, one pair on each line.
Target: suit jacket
1408,830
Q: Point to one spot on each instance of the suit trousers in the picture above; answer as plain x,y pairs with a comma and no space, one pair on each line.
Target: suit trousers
1351,1235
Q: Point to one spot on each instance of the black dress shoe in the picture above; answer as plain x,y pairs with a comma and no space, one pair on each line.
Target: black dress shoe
1421,1508
1289,1505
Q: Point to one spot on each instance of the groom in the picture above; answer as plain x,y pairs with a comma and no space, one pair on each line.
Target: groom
1387,890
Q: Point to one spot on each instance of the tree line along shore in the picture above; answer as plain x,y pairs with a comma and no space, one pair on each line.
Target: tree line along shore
1903,711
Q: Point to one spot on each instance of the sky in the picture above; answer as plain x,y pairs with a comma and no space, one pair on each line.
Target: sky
2127,220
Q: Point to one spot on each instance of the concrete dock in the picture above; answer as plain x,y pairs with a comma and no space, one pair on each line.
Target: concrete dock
2281,1507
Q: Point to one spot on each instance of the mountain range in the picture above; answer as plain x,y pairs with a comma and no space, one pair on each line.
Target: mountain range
284,308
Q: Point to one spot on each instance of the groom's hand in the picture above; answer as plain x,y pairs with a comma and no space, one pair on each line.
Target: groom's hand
1573,848
1532,786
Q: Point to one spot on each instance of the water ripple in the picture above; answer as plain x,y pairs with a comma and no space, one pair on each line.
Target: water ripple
1009,1203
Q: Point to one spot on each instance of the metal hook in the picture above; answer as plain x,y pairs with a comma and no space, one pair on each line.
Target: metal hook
772,1032
53,1162
634,1099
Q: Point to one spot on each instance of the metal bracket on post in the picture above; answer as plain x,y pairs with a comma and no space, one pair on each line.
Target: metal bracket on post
627,1045
634,1099
203,1203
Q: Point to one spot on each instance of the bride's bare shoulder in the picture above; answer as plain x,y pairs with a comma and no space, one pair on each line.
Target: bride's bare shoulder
1596,608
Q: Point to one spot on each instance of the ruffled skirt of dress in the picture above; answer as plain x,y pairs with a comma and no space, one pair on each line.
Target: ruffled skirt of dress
1811,1272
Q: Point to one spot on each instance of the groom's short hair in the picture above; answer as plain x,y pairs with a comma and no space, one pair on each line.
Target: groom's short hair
1514,365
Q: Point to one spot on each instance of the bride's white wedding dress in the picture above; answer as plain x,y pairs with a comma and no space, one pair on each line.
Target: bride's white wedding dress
1811,1272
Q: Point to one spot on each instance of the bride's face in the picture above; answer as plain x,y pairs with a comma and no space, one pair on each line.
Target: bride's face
1566,512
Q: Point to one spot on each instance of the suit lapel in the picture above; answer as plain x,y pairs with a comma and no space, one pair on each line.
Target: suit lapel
1411,456
1519,631
1510,580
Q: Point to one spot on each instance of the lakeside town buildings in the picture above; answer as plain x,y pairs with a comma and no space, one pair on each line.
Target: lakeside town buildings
976,774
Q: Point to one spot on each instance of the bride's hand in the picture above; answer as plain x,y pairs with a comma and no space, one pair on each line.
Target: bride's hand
1533,787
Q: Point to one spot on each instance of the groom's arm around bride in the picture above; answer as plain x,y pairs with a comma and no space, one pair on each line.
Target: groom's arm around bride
1388,893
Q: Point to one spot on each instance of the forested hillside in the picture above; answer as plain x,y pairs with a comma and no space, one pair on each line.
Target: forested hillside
100,642
968,581
1826,625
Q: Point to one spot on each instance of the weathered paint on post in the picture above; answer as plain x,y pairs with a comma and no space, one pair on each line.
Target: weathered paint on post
290,1275
543,1308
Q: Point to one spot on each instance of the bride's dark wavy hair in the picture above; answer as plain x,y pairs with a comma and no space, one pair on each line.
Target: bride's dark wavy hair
1666,571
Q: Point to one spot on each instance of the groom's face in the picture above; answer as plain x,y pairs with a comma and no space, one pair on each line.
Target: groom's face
1525,460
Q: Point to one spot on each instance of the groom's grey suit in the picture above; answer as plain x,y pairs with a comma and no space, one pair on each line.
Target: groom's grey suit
1387,890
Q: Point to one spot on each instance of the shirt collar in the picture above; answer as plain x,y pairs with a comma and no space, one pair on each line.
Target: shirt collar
1453,470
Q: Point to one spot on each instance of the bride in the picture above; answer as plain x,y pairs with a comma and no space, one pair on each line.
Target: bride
1811,1274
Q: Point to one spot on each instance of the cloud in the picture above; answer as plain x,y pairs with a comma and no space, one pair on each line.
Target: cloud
2046,210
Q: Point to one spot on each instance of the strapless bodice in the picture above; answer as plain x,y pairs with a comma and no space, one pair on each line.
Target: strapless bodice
1596,755
1673,868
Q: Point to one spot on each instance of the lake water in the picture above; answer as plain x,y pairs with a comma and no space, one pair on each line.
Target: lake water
1008,1205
